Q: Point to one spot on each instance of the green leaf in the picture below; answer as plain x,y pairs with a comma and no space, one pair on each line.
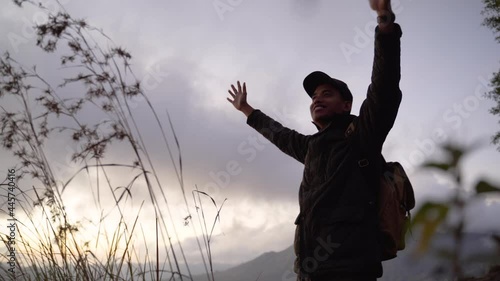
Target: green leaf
456,152
445,253
429,212
429,216
441,166
483,187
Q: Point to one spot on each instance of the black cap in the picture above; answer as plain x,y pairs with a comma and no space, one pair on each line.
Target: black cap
316,78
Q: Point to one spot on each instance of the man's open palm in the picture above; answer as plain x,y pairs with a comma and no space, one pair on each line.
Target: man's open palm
239,96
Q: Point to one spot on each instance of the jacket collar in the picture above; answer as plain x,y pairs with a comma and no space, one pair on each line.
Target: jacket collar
339,121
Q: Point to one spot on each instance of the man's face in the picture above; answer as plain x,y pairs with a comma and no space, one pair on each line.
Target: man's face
326,103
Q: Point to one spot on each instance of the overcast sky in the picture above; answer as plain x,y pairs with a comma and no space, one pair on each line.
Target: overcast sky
189,52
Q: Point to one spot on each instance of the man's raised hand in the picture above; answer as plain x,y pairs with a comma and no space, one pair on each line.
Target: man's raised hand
384,10
380,6
239,99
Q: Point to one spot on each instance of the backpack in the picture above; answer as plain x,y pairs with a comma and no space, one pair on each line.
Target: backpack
395,200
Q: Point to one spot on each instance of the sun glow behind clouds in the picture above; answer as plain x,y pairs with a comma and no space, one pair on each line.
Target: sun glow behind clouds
103,230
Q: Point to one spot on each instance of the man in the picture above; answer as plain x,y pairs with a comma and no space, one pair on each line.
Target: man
337,236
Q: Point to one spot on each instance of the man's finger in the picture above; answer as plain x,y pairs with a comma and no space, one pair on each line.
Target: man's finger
229,100
234,89
244,88
231,93
239,86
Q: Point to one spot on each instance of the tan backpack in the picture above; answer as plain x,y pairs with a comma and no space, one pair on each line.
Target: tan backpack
395,200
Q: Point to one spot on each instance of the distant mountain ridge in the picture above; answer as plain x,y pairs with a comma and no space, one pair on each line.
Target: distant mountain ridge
480,252
278,266
268,266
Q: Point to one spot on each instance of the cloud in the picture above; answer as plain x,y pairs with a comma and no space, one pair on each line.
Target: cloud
482,214
254,222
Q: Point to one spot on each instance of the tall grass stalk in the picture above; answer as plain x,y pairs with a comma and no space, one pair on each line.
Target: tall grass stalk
50,244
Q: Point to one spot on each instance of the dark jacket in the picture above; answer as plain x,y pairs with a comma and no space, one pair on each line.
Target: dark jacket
337,226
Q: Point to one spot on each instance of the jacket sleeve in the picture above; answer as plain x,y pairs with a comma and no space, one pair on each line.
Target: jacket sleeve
379,109
289,141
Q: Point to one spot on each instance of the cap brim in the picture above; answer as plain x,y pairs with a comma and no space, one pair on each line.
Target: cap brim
317,78
313,80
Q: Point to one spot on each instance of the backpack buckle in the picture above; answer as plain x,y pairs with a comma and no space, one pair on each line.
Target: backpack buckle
363,163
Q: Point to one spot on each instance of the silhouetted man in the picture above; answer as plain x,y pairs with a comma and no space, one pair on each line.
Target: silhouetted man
337,236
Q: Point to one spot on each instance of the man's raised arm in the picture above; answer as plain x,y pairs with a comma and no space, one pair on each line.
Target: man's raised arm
378,111
288,141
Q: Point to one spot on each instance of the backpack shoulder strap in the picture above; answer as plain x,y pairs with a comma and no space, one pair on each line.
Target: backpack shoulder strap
350,129
365,158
